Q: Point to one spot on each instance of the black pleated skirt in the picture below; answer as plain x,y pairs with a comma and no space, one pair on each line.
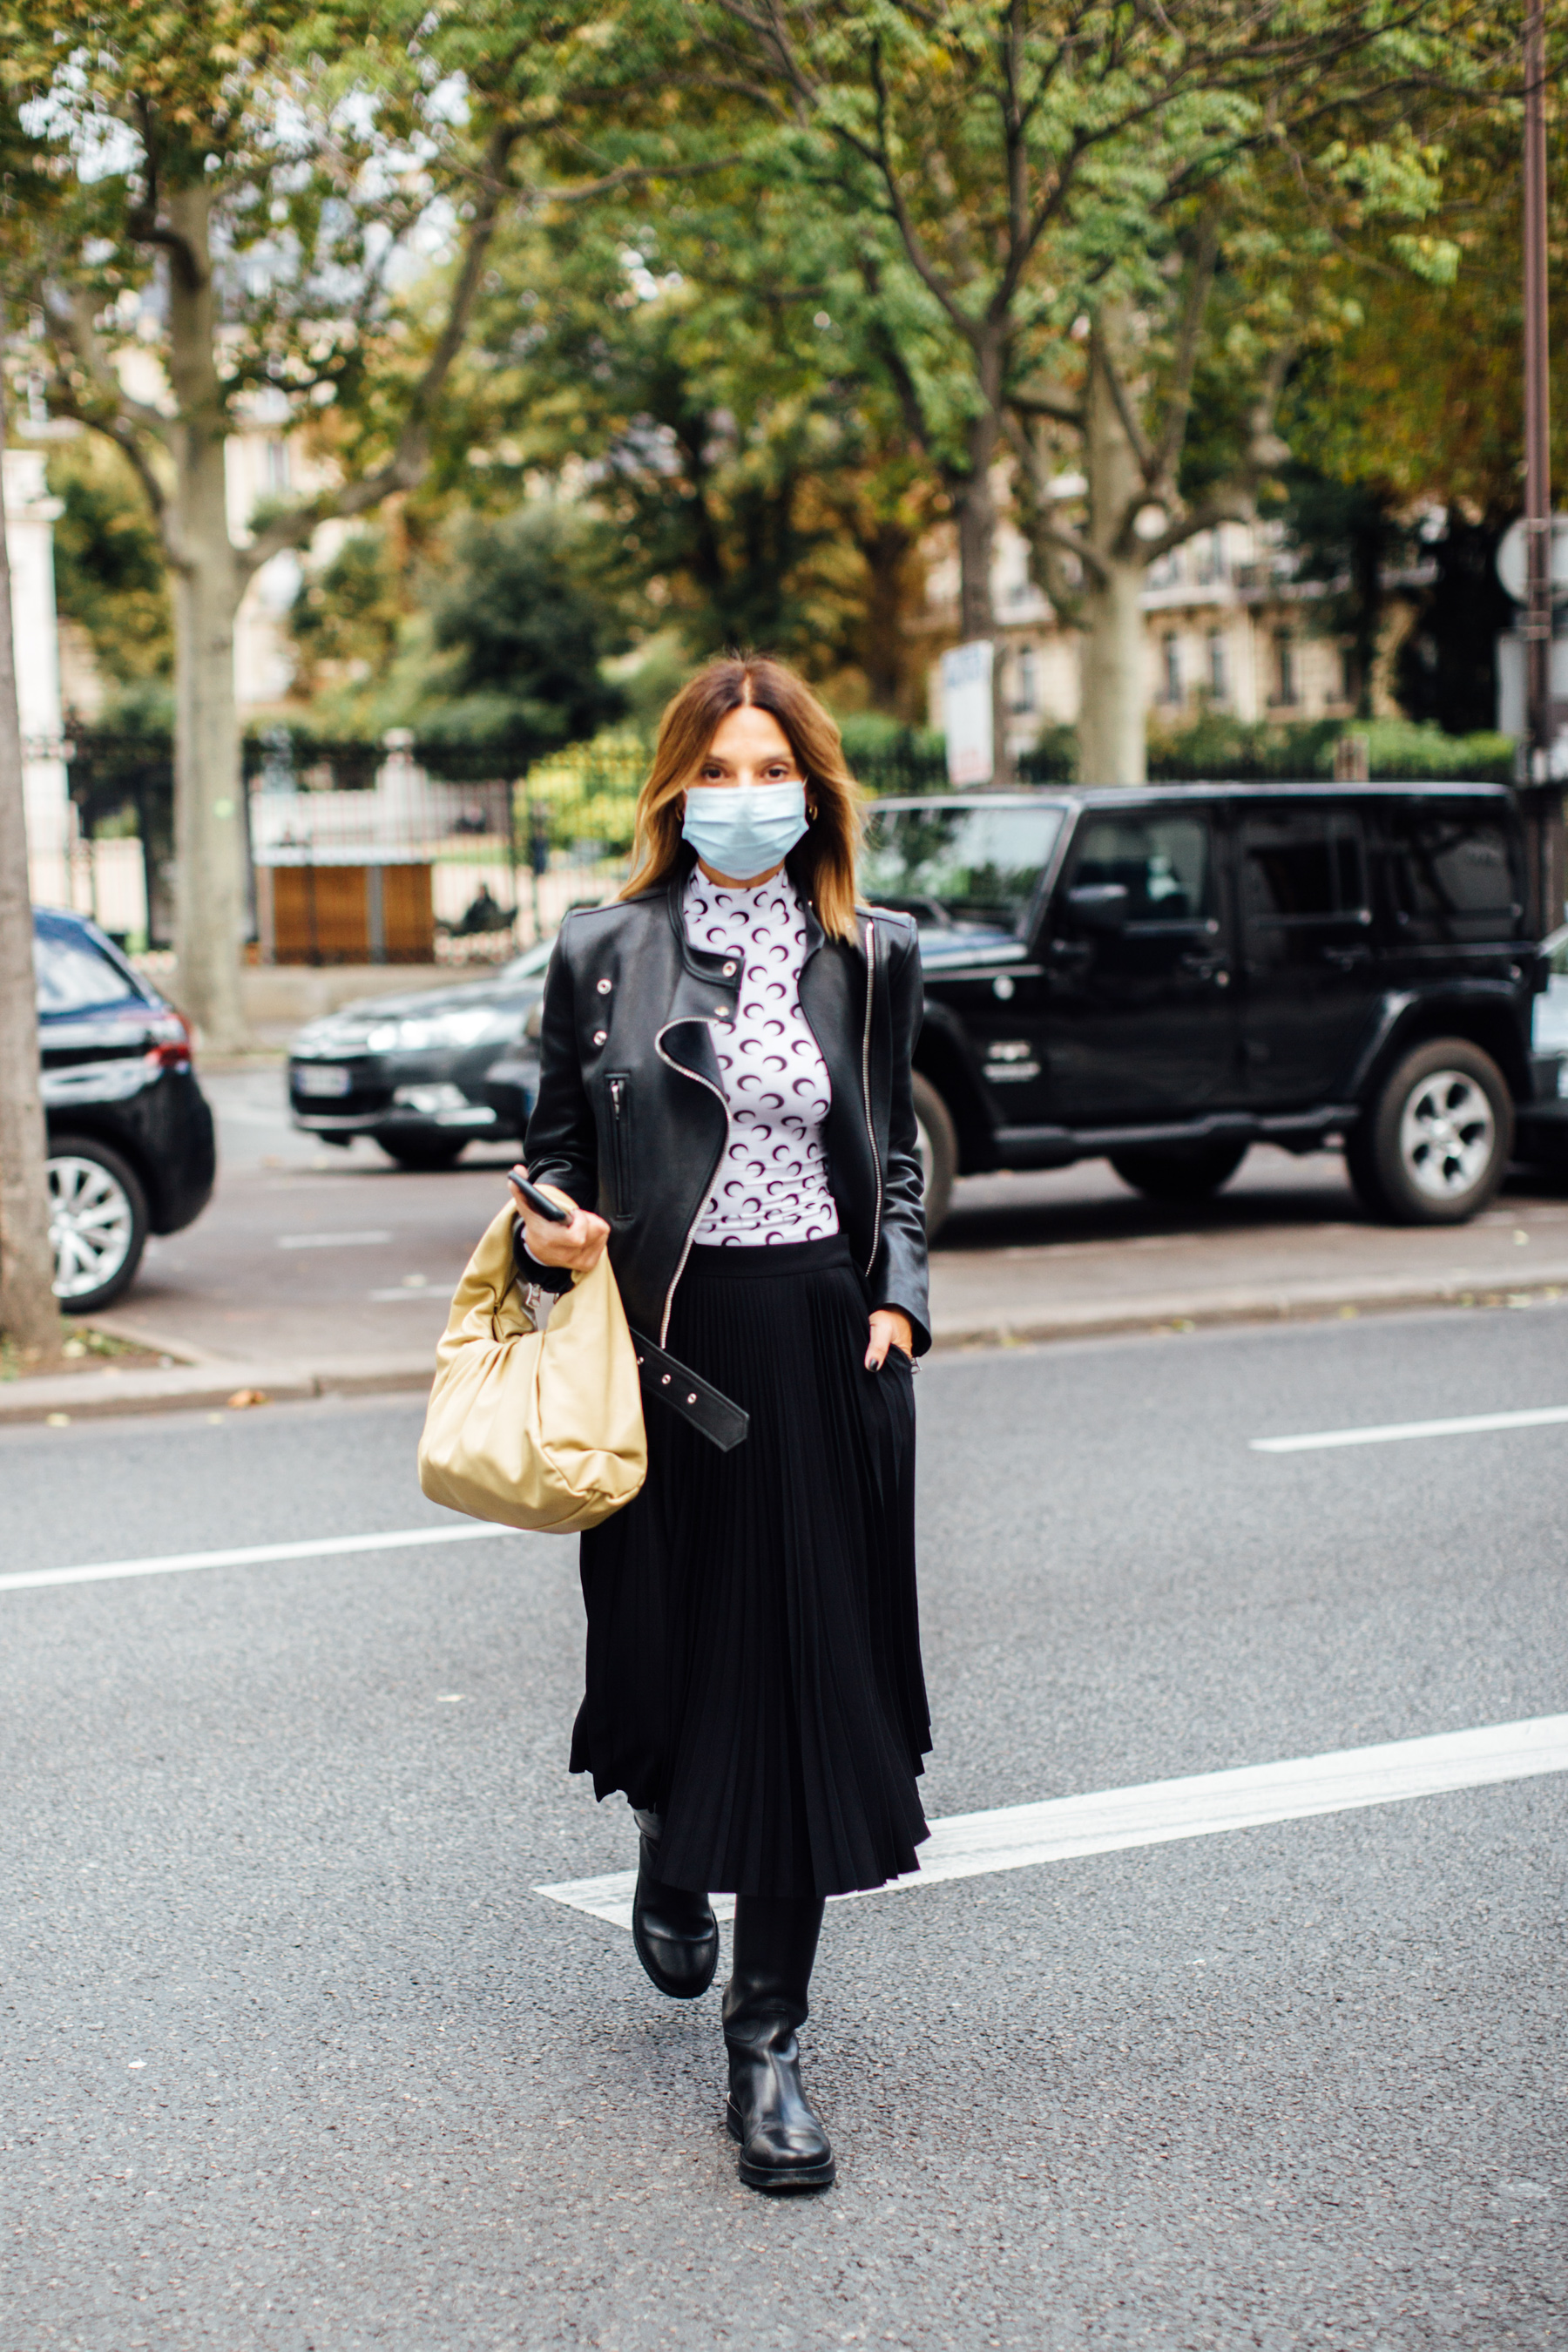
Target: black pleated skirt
753,1670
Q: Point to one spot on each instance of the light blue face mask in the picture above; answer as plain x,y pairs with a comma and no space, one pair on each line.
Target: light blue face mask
744,830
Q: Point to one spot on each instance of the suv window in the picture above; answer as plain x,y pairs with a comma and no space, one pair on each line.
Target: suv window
1452,877
1162,862
946,865
1302,866
73,976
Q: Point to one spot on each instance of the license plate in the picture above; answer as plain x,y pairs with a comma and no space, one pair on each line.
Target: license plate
321,1080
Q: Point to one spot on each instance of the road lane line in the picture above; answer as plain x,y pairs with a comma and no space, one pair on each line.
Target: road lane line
1391,1433
330,1241
1203,1804
179,1563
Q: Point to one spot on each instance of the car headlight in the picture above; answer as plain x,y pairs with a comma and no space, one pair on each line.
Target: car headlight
418,1033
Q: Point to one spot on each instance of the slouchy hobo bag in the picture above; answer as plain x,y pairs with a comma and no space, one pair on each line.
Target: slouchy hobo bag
540,1429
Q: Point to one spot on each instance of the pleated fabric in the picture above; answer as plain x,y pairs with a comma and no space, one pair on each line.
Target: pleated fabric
753,1663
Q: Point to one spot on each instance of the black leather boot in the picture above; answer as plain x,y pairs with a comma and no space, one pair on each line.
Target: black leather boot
783,2145
675,1932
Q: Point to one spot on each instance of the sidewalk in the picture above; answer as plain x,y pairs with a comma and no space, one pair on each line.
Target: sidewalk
1070,1255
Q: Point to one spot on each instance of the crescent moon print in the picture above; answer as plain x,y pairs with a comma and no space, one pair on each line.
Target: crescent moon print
771,1185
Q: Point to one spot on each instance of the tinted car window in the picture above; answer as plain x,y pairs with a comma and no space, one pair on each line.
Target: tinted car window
975,865
1162,862
73,976
1302,867
1453,877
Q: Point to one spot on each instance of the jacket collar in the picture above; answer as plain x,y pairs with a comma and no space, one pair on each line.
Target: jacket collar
695,958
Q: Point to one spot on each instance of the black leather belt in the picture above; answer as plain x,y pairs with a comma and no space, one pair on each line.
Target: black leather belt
721,1421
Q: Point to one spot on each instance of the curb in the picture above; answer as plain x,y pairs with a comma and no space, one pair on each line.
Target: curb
1300,1303
188,1388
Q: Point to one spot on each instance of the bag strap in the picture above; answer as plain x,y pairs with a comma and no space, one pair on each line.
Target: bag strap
721,1421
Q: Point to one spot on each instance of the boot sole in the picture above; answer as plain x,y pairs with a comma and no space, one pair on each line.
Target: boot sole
672,1991
779,2181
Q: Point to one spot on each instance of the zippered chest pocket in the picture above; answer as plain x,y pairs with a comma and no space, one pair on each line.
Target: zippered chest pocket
618,1090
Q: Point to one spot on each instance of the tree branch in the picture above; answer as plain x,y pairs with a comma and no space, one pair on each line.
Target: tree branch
1178,406
141,220
1039,400
408,460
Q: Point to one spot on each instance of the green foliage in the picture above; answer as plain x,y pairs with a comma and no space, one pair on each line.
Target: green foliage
109,566
347,618
1218,749
523,638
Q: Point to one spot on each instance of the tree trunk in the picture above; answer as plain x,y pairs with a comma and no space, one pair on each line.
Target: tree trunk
209,807
1112,683
28,1315
1110,727
976,509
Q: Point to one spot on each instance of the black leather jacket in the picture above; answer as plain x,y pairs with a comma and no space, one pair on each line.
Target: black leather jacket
631,1121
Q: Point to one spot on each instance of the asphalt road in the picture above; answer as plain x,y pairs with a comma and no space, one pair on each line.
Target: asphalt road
315,1253
296,2057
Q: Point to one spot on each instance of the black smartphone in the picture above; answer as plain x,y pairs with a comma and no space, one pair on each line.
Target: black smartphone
541,1202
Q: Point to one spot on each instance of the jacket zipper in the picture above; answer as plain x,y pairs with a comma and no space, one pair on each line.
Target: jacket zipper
866,1086
623,1148
718,1094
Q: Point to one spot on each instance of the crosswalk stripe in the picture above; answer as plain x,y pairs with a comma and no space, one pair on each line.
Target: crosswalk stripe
1202,1804
1389,1433
179,1563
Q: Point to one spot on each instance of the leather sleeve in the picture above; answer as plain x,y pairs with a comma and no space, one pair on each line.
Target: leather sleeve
561,1145
899,1276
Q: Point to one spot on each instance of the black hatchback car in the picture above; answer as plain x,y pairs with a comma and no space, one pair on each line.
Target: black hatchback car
1163,976
414,1071
130,1133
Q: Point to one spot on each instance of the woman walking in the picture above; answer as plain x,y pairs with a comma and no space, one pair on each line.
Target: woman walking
725,1097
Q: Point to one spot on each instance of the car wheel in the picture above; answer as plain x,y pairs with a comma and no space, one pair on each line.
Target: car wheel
1434,1145
98,1223
423,1150
1179,1171
939,1151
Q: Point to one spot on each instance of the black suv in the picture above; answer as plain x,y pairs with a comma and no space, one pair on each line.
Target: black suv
130,1133
1163,976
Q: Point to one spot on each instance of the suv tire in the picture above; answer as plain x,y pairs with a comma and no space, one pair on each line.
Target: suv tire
423,1150
939,1152
1179,1171
1433,1145
98,1223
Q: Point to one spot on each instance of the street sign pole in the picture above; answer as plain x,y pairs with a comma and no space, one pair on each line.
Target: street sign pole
1542,794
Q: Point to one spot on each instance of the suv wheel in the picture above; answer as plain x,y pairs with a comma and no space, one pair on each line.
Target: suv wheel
98,1223
939,1151
1180,1171
1433,1146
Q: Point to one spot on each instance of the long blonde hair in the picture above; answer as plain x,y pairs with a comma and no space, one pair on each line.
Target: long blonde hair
822,866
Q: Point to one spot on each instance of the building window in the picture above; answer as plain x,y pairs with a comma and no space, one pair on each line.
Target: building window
1350,676
1209,559
276,467
1025,686
1219,681
1170,668
1286,687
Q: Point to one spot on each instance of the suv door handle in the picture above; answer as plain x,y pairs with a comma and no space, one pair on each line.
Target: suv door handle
1347,959
1204,966
1068,955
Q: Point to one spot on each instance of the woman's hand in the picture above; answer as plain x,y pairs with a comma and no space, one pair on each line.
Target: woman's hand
579,1244
889,1329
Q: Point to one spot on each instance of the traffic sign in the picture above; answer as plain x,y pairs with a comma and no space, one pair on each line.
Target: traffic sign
1511,560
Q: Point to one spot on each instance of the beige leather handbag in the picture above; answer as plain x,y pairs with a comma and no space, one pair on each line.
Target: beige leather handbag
537,1429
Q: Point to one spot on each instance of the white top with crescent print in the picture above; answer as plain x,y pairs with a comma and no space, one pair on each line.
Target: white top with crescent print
772,1182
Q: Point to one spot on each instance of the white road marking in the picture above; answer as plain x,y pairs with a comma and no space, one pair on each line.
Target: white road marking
1389,1433
1017,1837
179,1563
330,1241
